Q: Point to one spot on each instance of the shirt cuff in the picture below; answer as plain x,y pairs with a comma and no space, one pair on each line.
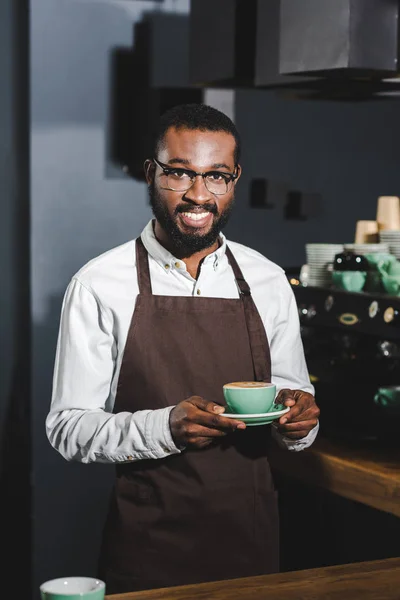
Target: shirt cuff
158,433
294,445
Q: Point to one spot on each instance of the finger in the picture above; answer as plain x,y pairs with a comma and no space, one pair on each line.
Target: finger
227,423
288,402
206,405
299,413
294,413
217,422
203,442
284,395
193,432
299,426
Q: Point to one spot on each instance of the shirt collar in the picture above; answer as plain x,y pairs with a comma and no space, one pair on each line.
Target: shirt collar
167,260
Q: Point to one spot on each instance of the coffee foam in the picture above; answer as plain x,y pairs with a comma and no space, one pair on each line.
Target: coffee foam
247,384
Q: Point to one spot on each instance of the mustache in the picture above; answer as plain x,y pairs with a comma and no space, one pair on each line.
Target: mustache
212,208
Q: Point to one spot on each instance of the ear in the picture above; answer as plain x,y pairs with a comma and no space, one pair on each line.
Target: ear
239,172
149,168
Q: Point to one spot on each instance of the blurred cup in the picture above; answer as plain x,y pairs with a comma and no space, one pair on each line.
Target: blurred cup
366,232
388,213
351,281
73,588
304,275
388,399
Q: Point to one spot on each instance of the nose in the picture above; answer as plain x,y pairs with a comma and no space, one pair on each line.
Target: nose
198,192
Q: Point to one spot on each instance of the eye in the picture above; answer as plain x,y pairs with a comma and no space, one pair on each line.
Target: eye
218,176
179,174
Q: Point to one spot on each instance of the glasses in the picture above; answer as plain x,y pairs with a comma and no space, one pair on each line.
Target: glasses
181,180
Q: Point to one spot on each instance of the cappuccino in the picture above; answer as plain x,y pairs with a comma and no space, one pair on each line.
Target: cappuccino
247,384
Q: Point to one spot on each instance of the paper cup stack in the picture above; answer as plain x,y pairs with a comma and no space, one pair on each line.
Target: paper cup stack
367,232
388,213
320,258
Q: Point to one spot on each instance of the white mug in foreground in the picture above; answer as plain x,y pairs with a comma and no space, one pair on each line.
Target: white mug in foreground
73,588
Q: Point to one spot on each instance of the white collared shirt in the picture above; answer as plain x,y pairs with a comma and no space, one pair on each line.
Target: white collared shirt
95,318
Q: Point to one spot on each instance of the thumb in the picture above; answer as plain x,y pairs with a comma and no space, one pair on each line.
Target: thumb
206,405
286,397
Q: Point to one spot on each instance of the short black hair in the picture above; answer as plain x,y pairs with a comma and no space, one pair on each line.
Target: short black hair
196,116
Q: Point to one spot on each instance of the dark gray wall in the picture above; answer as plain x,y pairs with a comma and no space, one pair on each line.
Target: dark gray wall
348,152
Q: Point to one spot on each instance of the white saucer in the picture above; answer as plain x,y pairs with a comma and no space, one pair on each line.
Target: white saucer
259,418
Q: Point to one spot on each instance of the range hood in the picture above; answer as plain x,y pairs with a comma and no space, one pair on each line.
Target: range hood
315,49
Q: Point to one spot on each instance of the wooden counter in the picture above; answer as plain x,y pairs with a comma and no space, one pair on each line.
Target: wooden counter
377,580
367,475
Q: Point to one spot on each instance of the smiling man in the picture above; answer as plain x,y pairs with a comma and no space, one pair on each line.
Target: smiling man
191,224
150,332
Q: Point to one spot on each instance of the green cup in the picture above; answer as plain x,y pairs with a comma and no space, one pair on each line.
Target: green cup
250,397
388,400
391,284
351,281
73,588
380,260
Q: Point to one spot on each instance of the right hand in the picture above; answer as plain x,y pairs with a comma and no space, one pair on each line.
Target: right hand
197,423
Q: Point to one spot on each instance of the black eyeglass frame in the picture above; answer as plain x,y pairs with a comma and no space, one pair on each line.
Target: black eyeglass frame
167,169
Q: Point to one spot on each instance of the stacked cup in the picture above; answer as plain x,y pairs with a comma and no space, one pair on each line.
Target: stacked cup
320,258
388,217
392,239
367,232
388,213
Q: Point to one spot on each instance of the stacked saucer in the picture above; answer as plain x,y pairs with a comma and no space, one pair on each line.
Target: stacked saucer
391,237
320,258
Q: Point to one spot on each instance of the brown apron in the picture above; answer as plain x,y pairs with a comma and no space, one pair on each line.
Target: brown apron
202,515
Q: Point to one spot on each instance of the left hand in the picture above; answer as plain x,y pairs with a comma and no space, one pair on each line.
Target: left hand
302,416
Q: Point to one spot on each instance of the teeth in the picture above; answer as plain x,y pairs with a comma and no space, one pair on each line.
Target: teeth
196,216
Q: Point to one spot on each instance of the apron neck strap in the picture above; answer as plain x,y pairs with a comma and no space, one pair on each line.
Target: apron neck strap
240,280
144,281
259,346
142,266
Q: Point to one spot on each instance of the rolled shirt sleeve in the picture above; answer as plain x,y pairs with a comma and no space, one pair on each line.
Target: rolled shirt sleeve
289,369
80,423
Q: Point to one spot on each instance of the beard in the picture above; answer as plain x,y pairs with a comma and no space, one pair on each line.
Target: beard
186,244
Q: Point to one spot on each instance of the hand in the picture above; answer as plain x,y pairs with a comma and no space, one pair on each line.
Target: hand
197,423
303,414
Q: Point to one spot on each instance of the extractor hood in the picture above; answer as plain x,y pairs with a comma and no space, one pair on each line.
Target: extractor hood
322,49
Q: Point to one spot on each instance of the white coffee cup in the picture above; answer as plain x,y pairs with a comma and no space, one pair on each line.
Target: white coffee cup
73,588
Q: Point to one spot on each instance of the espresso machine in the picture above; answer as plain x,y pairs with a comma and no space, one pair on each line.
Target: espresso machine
352,348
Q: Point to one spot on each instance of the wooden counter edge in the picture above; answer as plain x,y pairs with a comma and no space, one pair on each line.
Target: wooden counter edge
291,582
344,471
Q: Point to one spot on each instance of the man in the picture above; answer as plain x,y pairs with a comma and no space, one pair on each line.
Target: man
150,332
